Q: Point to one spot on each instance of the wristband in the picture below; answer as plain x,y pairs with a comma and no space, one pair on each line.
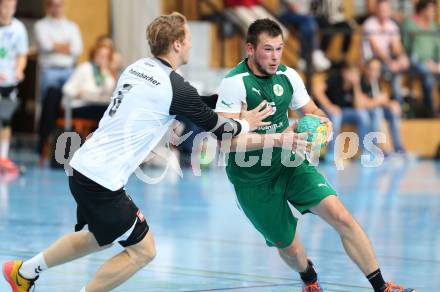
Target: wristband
244,126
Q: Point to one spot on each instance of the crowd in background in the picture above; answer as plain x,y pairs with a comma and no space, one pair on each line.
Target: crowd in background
393,44
61,79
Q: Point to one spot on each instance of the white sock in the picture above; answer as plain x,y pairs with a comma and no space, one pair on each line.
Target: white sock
4,149
33,267
83,289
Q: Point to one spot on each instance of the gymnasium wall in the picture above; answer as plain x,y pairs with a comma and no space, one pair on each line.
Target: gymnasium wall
129,20
93,19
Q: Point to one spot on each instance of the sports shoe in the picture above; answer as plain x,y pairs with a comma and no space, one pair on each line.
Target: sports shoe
12,275
8,166
390,287
6,177
313,287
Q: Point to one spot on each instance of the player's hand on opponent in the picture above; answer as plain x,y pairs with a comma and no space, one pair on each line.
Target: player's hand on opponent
175,134
256,116
328,123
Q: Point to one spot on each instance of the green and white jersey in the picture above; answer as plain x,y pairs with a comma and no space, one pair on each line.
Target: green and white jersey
283,90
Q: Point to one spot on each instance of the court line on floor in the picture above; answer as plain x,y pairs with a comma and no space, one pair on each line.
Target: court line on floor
232,242
180,270
210,274
224,241
243,287
256,286
251,276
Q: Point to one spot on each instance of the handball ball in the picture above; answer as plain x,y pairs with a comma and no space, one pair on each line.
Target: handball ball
313,125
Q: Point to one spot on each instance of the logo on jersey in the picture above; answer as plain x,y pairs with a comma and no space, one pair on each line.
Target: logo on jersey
140,216
272,127
278,89
256,90
149,63
150,79
229,105
3,53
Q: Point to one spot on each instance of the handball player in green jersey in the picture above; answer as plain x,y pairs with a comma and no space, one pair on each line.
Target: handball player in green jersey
263,177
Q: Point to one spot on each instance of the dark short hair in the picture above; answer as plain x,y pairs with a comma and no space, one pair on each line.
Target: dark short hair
260,26
422,4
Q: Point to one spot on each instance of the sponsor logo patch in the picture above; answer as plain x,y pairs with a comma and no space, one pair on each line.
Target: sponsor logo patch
229,105
256,90
278,89
140,216
150,79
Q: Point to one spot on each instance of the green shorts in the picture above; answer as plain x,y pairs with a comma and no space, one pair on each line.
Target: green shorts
266,205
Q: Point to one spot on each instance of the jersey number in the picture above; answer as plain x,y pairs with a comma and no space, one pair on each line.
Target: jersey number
118,99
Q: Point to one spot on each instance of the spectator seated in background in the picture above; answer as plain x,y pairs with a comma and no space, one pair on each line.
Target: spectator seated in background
116,61
341,98
87,91
91,84
296,14
245,12
59,44
381,39
400,9
379,104
421,37
13,57
331,19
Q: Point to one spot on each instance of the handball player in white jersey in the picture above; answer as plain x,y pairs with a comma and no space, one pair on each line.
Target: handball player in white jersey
148,96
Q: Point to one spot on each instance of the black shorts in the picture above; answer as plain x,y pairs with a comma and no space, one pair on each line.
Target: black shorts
6,93
108,214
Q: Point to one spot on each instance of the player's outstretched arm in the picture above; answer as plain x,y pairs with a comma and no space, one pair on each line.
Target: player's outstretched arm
288,139
187,102
252,141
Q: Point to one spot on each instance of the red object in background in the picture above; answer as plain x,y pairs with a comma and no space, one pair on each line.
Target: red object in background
247,3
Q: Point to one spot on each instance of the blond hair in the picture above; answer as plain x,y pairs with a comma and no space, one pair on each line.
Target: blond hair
164,30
